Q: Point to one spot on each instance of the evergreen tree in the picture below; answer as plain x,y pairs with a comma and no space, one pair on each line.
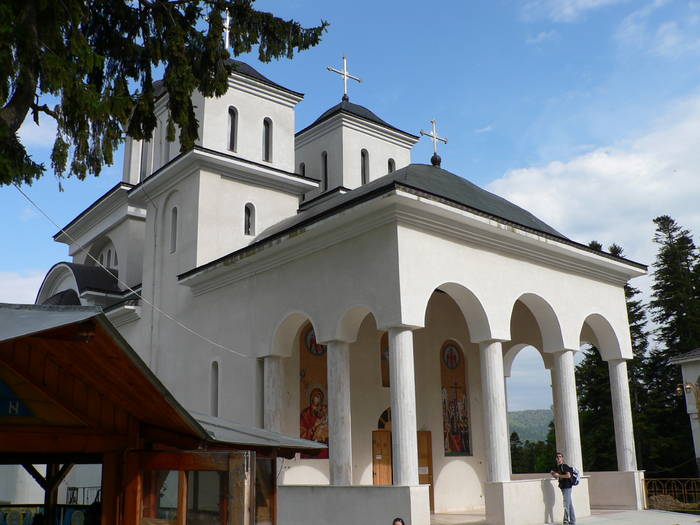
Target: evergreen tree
96,58
676,310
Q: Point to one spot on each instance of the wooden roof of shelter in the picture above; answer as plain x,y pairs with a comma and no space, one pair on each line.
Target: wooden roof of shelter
72,389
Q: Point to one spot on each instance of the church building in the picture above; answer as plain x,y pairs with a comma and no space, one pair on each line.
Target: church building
321,284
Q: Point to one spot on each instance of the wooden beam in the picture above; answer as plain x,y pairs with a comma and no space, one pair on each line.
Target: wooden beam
33,472
81,443
133,491
182,460
167,437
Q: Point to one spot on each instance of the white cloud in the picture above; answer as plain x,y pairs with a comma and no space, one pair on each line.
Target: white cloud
564,10
612,194
668,39
27,214
41,136
485,129
20,287
540,37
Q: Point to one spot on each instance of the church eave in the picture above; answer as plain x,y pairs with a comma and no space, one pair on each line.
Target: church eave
236,167
111,200
383,125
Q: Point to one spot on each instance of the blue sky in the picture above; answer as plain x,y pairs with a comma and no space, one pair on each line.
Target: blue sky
585,112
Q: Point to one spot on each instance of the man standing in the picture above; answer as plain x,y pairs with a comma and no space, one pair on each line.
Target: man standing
562,472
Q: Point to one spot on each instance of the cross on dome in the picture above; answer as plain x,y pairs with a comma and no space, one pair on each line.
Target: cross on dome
435,159
227,28
346,75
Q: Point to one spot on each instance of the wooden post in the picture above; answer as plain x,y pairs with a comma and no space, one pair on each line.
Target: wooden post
181,498
133,481
239,482
111,481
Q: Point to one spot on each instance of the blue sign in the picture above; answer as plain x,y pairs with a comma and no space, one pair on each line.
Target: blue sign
10,404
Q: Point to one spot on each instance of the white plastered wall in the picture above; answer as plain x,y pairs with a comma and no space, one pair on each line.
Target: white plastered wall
379,150
252,110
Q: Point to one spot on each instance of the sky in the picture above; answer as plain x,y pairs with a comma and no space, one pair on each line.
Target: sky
584,112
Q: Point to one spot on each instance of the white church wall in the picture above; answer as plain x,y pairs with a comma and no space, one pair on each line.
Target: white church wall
428,261
252,110
309,150
221,213
18,487
379,150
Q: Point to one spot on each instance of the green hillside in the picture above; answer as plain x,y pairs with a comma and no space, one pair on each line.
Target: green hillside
531,425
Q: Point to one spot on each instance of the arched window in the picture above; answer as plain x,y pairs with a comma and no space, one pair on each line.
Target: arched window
173,230
115,260
109,258
391,166
364,166
302,169
214,390
324,171
249,219
232,127
267,140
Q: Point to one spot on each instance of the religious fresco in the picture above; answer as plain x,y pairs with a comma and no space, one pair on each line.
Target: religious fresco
384,359
455,403
313,390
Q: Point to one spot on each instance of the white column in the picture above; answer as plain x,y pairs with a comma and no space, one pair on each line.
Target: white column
339,424
622,415
494,407
272,393
404,441
558,427
564,378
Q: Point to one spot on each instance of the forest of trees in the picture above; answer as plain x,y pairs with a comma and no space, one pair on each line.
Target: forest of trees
662,430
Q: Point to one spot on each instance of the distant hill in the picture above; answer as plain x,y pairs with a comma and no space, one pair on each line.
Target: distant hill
531,425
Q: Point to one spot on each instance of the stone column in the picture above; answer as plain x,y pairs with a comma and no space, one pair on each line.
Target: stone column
404,440
622,415
272,393
494,407
564,378
339,424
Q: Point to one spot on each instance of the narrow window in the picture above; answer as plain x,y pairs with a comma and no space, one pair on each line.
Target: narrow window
249,221
302,169
143,169
214,393
232,127
173,230
364,166
267,140
102,259
115,260
392,166
324,171
109,258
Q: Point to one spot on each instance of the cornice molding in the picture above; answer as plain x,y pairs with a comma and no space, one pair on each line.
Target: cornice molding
226,166
406,209
123,314
254,87
349,121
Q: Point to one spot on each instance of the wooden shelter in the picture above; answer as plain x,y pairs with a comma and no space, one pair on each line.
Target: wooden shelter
74,392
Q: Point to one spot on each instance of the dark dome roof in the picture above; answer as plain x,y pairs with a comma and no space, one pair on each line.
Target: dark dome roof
430,180
346,106
239,67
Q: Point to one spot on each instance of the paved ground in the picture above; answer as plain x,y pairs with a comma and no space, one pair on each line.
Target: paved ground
599,517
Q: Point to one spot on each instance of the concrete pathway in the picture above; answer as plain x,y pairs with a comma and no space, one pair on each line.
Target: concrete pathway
599,517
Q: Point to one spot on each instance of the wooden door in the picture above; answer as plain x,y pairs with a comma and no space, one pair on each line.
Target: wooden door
425,462
381,457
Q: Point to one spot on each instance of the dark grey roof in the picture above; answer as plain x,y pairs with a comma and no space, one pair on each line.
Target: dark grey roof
226,431
92,278
346,106
433,181
239,67
17,320
64,298
688,356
